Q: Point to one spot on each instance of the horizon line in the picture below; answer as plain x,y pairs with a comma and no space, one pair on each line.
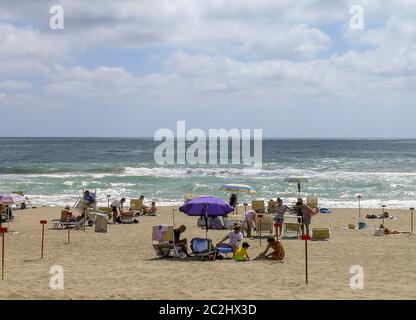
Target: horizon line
151,137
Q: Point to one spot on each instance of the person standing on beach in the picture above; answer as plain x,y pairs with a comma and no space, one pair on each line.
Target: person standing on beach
249,221
280,209
306,213
117,208
233,200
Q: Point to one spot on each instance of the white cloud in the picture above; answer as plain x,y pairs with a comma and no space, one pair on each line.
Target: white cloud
275,55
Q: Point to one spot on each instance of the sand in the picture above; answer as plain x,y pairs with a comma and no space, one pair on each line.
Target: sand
121,263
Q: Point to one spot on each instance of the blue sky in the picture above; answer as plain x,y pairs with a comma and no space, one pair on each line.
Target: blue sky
129,68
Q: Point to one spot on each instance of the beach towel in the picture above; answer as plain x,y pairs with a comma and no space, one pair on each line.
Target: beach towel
160,230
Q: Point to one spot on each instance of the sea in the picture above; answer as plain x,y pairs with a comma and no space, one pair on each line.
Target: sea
55,171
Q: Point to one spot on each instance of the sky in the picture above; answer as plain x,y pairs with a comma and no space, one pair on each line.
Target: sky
128,68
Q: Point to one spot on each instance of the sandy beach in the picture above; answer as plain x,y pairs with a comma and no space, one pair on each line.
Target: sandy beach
121,264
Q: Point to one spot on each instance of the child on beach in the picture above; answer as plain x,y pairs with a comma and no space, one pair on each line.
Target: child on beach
241,253
278,252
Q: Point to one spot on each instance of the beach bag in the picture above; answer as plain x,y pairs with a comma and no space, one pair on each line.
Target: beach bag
217,224
379,232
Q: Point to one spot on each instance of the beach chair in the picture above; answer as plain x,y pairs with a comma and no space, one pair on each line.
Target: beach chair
203,248
266,225
320,233
59,224
292,228
162,241
137,205
258,206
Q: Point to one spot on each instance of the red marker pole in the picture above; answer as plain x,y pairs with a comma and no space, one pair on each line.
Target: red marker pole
260,216
2,231
42,222
306,259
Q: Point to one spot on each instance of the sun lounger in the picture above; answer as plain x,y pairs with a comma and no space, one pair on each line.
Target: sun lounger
203,248
290,228
258,206
162,241
59,224
137,204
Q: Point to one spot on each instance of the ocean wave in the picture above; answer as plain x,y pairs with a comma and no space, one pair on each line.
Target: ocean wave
60,170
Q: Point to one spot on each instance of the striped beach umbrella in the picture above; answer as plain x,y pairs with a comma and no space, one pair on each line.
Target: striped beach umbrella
298,180
235,187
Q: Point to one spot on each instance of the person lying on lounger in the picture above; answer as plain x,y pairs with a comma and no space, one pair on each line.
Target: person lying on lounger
278,253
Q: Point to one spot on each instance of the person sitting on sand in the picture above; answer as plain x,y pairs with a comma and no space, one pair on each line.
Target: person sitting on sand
117,207
152,210
234,238
278,252
241,253
183,243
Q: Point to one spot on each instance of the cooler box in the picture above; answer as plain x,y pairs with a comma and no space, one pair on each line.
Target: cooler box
101,222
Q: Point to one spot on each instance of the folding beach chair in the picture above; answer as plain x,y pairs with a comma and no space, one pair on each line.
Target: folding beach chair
59,224
258,206
202,248
290,228
162,241
264,224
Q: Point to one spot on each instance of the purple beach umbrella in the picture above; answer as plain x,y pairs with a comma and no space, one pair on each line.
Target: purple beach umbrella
206,206
12,198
